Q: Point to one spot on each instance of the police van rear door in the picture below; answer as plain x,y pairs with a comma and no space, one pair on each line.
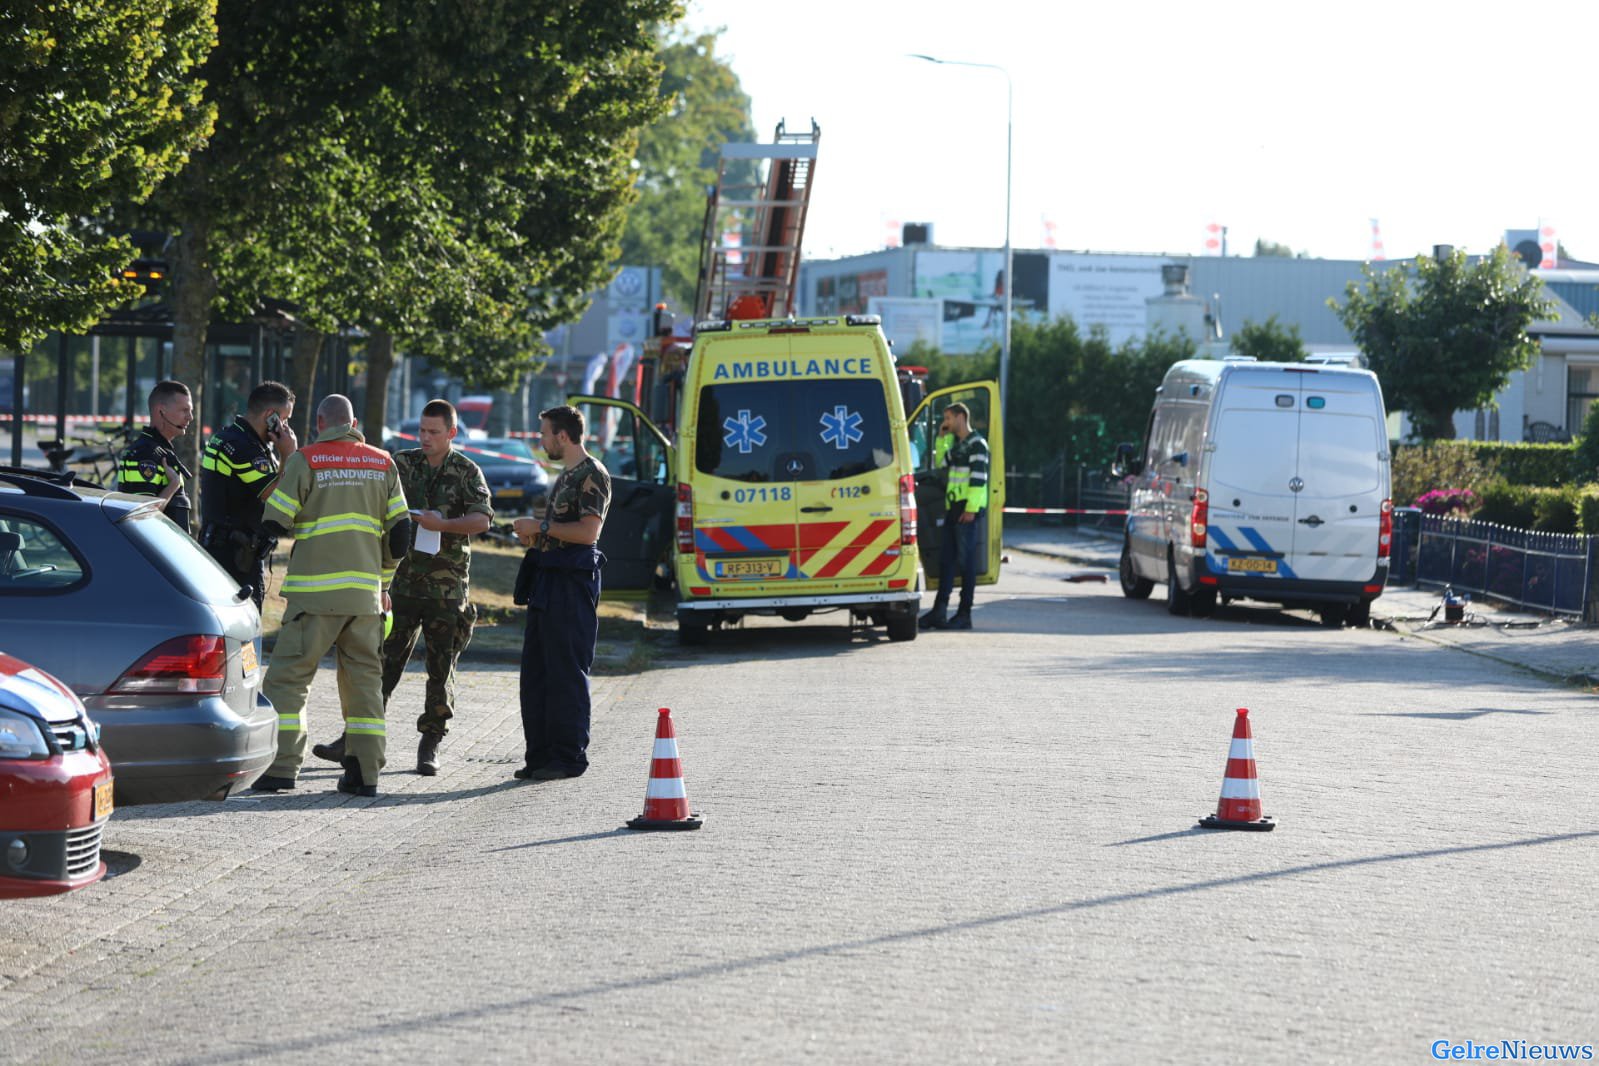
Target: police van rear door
982,399
637,535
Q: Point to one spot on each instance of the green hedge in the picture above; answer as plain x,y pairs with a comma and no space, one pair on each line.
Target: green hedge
1588,509
1520,464
1549,510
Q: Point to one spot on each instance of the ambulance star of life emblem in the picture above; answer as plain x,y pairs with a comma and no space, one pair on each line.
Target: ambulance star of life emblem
841,428
744,433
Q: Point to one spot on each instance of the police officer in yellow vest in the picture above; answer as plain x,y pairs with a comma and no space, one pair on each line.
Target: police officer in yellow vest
341,500
964,454
149,466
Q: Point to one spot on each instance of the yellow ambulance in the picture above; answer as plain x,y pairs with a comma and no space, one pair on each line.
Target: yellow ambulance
792,481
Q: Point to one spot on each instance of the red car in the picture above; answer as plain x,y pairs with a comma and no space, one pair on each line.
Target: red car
55,786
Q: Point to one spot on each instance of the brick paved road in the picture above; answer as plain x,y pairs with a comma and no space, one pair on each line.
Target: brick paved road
972,848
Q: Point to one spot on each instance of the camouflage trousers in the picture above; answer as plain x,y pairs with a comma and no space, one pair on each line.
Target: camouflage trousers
445,627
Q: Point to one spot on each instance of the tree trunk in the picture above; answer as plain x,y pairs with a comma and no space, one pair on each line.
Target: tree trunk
1435,425
379,365
194,297
302,380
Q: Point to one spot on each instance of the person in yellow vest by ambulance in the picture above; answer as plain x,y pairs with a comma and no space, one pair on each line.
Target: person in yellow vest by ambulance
965,456
340,499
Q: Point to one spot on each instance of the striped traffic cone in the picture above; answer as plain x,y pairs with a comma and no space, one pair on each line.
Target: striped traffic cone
665,798
1239,807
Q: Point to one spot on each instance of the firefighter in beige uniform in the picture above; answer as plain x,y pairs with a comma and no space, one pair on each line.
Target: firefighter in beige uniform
341,500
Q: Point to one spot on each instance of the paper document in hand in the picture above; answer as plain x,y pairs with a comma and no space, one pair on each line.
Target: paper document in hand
427,541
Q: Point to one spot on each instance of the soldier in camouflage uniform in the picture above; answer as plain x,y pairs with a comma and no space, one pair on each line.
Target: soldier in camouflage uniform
448,493
560,583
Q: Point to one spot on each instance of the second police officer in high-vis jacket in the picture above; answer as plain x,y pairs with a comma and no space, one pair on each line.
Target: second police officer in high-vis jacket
966,494
240,460
342,499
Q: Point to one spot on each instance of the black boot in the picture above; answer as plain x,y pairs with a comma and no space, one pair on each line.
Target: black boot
427,754
350,781
961,620
333,752
933,619
268,783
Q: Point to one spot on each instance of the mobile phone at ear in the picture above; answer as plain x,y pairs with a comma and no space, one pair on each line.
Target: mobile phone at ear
274,422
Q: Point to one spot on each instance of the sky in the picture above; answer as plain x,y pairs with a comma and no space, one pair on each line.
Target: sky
1136,125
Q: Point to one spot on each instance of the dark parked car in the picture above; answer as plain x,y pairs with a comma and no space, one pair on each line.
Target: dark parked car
516,480
55,786
104,592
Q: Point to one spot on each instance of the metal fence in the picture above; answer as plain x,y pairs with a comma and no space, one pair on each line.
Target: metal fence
1068,485
1543,571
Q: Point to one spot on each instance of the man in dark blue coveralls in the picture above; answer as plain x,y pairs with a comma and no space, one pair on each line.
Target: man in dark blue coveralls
560,583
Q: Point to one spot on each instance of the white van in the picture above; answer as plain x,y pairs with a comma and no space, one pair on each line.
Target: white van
1263,481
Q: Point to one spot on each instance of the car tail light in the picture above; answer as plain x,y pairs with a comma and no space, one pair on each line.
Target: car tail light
1201,516
685,518
907,509
1385,530
183,664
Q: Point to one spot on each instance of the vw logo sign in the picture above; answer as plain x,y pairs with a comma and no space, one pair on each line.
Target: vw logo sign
1296,485
630,282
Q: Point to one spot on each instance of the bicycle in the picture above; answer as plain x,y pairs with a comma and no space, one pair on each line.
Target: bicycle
99,454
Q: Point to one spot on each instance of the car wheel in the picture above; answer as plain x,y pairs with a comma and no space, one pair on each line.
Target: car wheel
1202,602
1359,615
1333,615
693,631
1133,586
901,626
1178,601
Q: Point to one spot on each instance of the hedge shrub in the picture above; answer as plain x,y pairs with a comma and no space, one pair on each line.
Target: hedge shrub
1421,468
1585,460
1520,464
1548,510
1588,510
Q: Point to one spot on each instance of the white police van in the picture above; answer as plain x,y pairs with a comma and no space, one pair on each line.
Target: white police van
1262,481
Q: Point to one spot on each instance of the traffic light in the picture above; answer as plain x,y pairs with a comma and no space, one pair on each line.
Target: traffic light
148,272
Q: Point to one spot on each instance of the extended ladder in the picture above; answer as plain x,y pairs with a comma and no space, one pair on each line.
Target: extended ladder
754,223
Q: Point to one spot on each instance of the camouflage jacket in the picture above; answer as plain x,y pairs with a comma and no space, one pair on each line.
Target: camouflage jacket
455,489
584,489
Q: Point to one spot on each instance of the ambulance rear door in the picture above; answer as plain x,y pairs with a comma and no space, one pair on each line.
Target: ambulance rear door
637,535
982,399
846,470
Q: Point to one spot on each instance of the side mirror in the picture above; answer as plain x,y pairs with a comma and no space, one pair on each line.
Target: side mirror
1128,463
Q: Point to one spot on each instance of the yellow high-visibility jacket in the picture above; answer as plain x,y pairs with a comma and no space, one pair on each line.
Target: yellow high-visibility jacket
339,497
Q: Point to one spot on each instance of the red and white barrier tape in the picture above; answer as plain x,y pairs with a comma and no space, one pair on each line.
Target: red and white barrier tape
1057,510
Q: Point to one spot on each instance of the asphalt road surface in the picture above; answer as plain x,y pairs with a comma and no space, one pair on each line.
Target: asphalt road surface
976,847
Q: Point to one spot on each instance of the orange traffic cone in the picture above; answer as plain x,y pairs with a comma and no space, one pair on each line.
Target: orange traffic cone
665,798
1239,807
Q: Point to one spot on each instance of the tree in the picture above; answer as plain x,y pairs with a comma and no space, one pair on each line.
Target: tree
676,163
1445,335
411,168
529,195
97,103
1269,341
1265,248
1071,395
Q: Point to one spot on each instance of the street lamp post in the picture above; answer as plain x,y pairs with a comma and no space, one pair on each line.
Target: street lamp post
1010,280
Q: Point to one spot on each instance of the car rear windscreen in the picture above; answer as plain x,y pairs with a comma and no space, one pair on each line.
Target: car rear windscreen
179,558
820,429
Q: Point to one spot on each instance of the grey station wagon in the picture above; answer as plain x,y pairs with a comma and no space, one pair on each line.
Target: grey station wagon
103,591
